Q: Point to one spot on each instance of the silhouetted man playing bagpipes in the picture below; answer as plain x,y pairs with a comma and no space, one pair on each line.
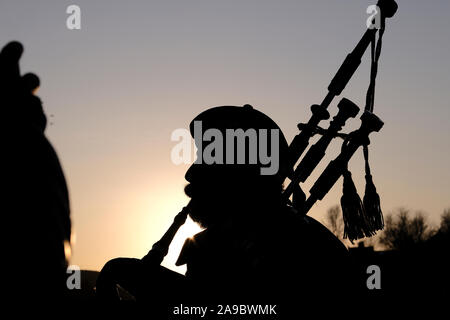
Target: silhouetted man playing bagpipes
253,246
258,243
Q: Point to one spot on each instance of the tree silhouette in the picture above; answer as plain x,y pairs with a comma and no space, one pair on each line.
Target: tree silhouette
403,231
442,235
334,221
445,221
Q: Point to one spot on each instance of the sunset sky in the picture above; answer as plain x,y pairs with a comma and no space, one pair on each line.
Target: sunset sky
115,90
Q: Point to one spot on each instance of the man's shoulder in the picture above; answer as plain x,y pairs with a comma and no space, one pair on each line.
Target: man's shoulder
304,231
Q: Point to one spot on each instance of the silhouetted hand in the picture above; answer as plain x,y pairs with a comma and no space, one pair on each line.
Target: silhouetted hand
18,101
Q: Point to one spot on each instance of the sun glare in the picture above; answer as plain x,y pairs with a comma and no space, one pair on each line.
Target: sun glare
189,229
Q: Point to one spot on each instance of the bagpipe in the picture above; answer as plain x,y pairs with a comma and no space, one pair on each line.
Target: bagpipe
362,218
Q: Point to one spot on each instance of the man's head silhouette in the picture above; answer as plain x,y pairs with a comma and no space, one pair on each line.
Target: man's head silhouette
241,157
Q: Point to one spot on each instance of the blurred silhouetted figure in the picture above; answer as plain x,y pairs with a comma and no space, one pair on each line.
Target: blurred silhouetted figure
254,247
35,206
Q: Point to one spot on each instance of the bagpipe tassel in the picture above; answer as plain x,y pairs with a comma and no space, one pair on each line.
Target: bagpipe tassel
371,200
355,224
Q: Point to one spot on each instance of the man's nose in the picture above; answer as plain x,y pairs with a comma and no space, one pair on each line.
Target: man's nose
191,172
201,173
